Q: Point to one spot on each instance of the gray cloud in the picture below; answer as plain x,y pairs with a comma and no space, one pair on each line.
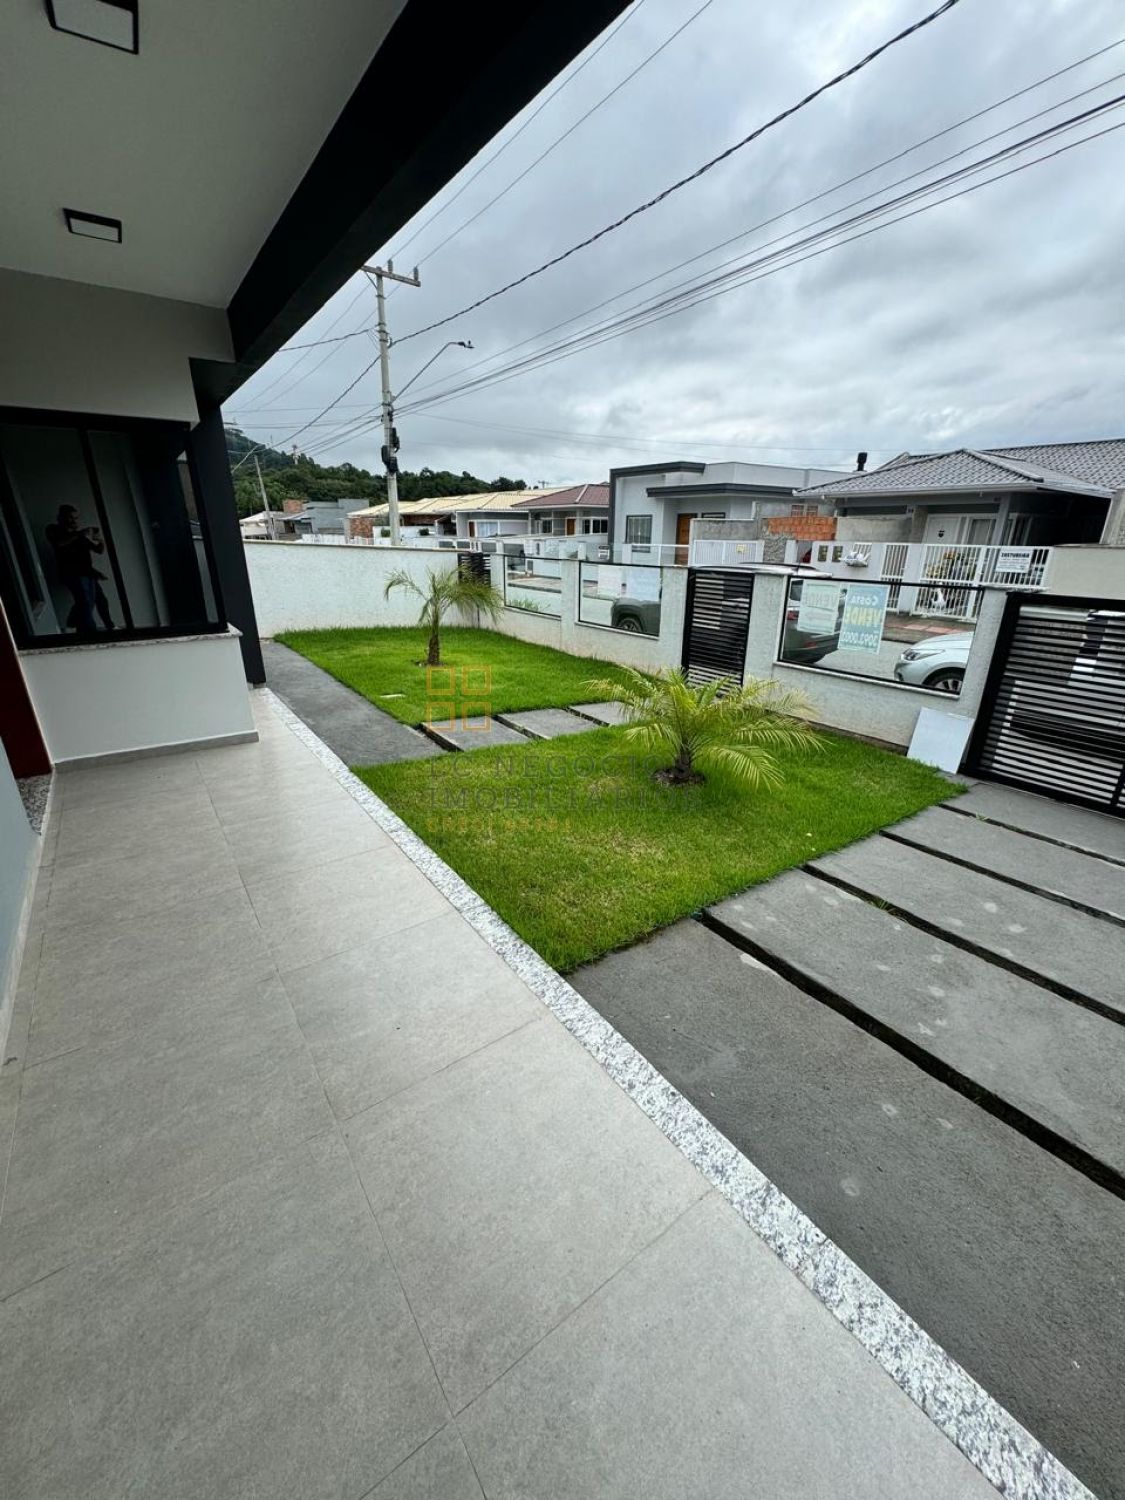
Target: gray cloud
993,318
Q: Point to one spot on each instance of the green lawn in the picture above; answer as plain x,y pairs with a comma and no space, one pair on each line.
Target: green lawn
575,845
505,674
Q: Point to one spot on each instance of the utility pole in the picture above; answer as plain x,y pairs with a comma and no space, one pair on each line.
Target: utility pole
390,437
265,500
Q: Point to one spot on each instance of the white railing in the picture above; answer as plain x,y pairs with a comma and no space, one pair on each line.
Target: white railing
939,569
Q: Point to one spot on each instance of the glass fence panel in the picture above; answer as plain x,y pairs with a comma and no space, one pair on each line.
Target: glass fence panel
533,583
906,633
620,597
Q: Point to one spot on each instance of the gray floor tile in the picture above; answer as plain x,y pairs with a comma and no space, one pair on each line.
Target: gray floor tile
125,781
342,904
88,835
545,1179
152,879
96,983
259,1346
386,1014
244,799
440,1470
299,836
705,1369
110,1137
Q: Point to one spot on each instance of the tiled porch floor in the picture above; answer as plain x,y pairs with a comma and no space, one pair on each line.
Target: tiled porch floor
309,1195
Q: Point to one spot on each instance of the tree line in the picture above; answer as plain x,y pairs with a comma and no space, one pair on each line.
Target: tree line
302,478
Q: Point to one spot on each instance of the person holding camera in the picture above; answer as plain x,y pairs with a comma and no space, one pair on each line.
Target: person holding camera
75,547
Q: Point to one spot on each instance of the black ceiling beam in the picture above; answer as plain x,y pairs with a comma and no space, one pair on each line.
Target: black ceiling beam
444,81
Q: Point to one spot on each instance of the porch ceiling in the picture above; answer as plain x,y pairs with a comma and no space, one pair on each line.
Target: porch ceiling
196,143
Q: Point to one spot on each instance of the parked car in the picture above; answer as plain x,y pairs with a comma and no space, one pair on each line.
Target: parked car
938,664
638,616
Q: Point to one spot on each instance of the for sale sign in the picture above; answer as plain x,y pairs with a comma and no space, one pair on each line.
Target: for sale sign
819,607
865,610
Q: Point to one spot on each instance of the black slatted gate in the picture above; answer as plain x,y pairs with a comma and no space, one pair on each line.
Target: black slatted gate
1053,715
716,623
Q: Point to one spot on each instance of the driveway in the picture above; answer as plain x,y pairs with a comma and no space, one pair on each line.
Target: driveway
920,1040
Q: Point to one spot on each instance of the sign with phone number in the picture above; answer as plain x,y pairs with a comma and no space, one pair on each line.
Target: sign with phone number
865,610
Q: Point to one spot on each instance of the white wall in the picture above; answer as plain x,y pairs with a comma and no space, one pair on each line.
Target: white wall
103,700
865,706
316,588
19,849
1095,571
68,346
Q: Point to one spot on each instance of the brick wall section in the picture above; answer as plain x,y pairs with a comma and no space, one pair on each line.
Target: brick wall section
292,506
359,526
803,528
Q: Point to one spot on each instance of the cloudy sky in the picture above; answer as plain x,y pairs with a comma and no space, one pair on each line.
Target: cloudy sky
993,318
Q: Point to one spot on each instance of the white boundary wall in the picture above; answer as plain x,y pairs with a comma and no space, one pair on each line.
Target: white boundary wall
865,706
104,699
316,588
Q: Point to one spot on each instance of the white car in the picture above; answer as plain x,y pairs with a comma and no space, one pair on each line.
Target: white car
938,663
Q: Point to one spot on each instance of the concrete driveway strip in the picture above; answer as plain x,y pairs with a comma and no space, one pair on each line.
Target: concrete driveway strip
1078,952
360,733
1080,827
1003,1253
1084,879
1058,1064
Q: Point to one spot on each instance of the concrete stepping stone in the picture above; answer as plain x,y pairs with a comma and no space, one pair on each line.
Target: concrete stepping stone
476,733
1055,1062
546,723
604,713
1071,948
1084,878
1079,826
998,1249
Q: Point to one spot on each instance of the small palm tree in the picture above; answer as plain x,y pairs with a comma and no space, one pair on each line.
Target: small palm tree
442,592
722,724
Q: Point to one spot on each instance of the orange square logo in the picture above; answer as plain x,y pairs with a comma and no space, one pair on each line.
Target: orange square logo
441,714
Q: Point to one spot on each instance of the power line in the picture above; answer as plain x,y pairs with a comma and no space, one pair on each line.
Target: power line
569,131
707,166
285,375
828,192
753,270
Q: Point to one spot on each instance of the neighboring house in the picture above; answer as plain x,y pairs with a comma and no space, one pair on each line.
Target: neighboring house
581,510
1038,495
567,510
654,505
269,525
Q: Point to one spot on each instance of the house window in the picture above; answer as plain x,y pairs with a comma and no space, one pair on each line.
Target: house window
99,533
595,526
638,529
713,515
546,526
803,510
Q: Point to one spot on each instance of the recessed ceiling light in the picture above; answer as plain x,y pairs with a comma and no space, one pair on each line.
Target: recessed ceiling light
93,226
114,23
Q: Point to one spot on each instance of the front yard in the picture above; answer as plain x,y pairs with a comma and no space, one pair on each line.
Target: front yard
580,851
487,671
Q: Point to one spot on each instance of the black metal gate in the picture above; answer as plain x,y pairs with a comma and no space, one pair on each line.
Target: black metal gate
716,623
1053,714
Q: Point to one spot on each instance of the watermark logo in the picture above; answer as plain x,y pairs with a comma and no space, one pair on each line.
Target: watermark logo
459,698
